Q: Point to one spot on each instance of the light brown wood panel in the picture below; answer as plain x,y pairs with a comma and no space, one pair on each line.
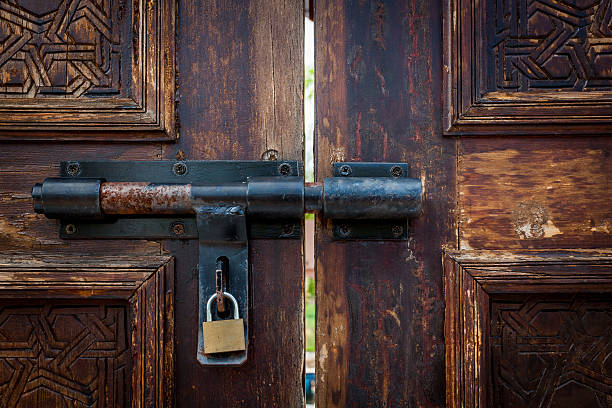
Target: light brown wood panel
535,193
93,331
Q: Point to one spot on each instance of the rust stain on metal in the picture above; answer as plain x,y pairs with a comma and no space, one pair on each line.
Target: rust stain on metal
145,198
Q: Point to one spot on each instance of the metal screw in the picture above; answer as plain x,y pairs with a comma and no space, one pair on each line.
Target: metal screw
284,169
396,171
288,229
345,170
178,228
397,231
344,231
70,229
73,169
180,169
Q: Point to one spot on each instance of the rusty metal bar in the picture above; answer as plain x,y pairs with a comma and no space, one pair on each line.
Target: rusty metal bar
263,197
145,198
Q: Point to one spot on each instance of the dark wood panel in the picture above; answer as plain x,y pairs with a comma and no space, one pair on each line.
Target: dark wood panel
99,331
240,87
379,304
516,339
542,193
92,70
514,67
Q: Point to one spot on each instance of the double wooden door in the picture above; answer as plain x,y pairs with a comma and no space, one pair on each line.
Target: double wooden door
501,295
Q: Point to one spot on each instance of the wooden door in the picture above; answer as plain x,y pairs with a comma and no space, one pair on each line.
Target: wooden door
114,323
502,109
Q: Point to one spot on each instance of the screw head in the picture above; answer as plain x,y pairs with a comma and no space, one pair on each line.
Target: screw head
397,231
396,171
284,169
70,229
180,169
288,229
73,169
345,170
178,228
344,231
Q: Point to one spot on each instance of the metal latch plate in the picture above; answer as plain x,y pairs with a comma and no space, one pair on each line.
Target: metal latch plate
179,172
387,230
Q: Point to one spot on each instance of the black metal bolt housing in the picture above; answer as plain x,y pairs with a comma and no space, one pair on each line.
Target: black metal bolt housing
180,169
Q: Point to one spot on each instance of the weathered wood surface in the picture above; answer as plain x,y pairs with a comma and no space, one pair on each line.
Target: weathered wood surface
541,193
99,70
97,331
240,97
527,68
379,304
23,165
528,328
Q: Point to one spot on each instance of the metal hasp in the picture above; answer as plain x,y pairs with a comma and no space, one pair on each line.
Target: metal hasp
224,204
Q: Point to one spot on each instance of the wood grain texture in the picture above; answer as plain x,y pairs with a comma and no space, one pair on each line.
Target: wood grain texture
548,193
240,97
379,304
528,328
91,70
97,331
23,165
534,67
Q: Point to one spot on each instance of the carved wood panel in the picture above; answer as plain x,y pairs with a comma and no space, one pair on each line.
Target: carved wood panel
552,44
96,332
90,66
67,48
551,350
58,354
528,329
528,66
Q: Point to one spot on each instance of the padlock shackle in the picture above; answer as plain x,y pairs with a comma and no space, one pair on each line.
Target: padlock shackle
227,295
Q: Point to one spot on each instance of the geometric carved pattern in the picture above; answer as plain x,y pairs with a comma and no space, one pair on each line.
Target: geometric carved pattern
69,51
527,67
87,69
528,329
65,355
86,332
552,44
551,351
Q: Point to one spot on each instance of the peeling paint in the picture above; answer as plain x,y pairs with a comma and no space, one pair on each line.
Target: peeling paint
531,221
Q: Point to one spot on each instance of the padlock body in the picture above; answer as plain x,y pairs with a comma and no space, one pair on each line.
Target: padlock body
221,336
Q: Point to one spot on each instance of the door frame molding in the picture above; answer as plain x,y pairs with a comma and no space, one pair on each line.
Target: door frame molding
472,277
146,283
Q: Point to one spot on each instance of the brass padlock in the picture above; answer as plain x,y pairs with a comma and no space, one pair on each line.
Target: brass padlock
221,336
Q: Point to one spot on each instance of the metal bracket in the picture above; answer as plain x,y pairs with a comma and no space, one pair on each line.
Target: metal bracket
364,230
170,172
223,233
223,204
